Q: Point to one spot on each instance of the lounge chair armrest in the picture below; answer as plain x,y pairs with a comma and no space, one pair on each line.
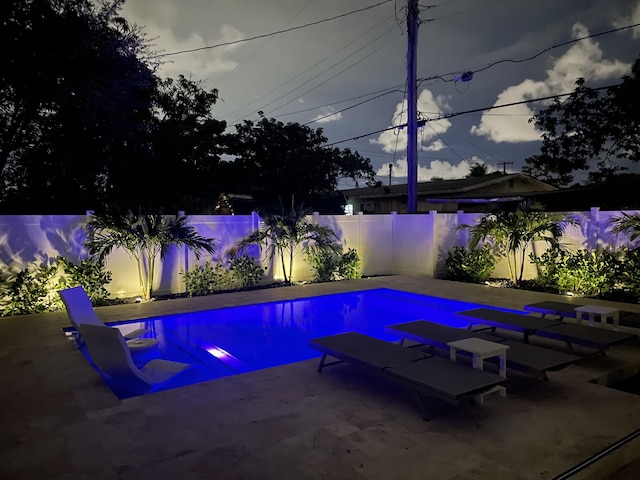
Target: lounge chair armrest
135,334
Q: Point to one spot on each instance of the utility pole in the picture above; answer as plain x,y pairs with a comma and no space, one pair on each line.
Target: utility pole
390,172
412,109
504,166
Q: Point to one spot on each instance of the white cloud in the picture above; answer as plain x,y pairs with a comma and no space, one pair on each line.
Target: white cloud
435,146
583,59
436,168
632,19
396,139
196,64
327,115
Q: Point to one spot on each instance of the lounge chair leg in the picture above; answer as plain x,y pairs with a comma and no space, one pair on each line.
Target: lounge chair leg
324,357
423,409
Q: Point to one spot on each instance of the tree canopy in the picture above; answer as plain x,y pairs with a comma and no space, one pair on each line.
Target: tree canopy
275,161
187,143
593,127
86,124
75,96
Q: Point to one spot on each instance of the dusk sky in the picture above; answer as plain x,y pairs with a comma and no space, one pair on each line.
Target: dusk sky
309,73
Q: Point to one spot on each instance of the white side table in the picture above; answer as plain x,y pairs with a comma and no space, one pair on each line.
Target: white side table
604,312
482,349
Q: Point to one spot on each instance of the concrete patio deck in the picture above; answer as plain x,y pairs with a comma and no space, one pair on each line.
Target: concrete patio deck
59,421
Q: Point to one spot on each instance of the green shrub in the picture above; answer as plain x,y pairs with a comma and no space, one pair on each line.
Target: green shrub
35,288
32,290
473,266
246,271
630,273
330,265
241,273
583,272
323,263
89,274
348,267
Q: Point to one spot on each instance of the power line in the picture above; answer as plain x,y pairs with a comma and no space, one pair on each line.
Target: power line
461,12
456,114
440,77
334,76
557,46
387,90
224,44
435,78
309,69
350,107
263,45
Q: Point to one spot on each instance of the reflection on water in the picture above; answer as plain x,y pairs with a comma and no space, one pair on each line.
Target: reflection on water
241,339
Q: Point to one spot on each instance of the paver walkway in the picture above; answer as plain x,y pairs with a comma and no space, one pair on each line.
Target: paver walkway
59,421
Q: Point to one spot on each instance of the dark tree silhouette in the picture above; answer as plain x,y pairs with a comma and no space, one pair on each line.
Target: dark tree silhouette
280,161
591,128
74,103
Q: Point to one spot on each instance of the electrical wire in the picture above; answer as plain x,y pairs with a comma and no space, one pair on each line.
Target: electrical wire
456,114
307,70
461,12
435,78
339,73
286,30
262,45
348,108
388,90
563,44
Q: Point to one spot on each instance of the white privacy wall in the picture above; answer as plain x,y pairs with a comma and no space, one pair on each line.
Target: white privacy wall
387,244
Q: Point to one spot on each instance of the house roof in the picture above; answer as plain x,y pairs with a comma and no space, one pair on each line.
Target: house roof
443,187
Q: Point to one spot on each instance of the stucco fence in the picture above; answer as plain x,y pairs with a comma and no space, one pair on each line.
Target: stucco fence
386,244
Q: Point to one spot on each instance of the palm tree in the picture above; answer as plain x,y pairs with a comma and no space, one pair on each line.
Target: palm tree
514,231
478,170
627,223
282,231
144,237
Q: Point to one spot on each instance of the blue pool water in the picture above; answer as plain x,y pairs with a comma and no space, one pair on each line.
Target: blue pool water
242,339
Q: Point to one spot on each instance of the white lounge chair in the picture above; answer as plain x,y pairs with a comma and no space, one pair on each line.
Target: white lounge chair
110,354
80,312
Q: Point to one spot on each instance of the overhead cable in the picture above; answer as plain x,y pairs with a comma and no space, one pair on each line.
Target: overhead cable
242,40
464,112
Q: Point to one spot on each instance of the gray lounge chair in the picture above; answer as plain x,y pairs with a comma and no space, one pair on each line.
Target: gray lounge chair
529,325
426,374
567,310
522,357
111,355
80,311
525,324
559,309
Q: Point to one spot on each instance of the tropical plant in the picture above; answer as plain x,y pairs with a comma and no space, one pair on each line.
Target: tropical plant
282,232
629,272
245,271
470,265
89,274
478,169
334,265
627,223
349,266
515,230
144,237
34,289
240,273
584,272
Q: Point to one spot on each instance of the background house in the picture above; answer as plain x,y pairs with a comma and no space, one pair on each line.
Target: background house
468,194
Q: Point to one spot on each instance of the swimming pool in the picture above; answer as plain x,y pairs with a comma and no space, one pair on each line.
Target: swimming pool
242,339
